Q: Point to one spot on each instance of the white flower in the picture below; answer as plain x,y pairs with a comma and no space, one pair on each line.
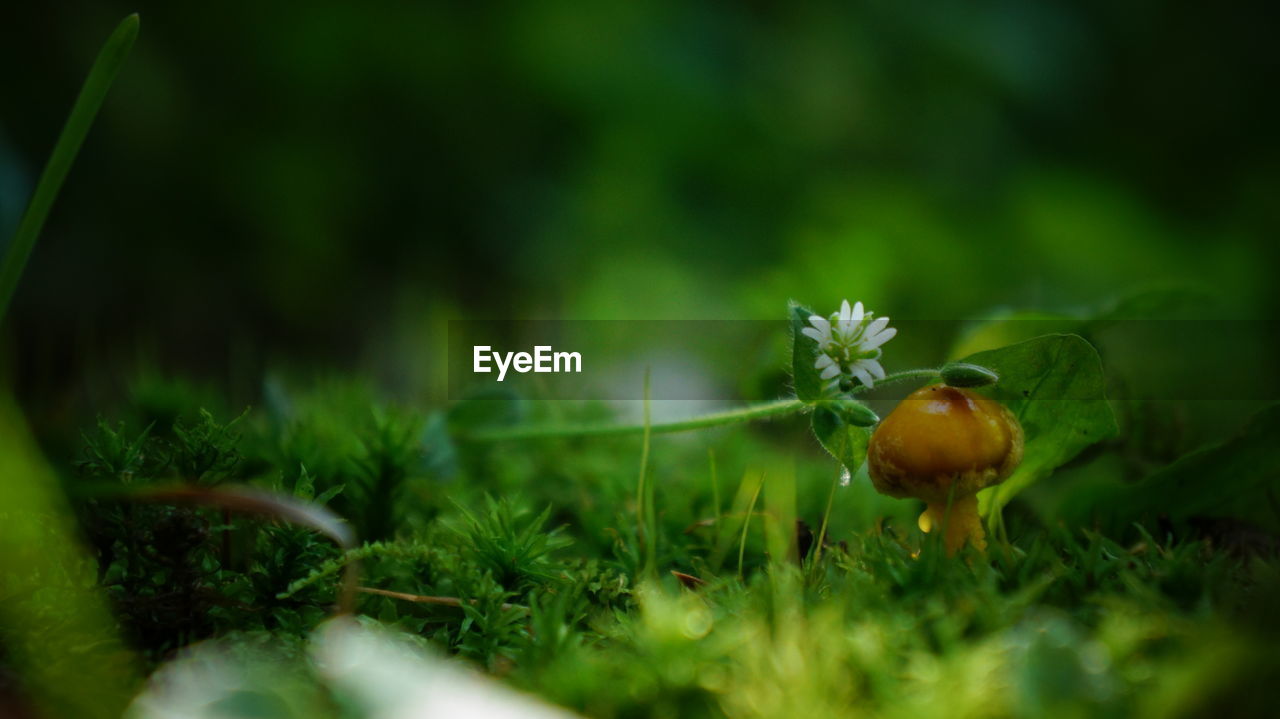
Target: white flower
849,344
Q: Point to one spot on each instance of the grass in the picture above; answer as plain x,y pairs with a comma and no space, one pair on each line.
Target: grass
554,567
528,564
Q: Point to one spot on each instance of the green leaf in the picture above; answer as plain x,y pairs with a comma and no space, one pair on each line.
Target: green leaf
846,442
804,352
1055,386
94,91
1233,478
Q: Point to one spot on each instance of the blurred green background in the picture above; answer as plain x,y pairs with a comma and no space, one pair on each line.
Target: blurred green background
328,185
282,191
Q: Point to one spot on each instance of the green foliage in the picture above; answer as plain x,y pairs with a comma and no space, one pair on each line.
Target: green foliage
113,453
176,574
204,451
577,603
697,163
389,455
806,382
382,457
1056,388
56,628
420,557
845,441
1072,621
516,550
1232,481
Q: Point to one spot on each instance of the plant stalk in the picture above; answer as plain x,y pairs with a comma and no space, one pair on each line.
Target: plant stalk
763,410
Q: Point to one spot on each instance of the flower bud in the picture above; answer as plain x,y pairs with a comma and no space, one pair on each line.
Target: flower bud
963,374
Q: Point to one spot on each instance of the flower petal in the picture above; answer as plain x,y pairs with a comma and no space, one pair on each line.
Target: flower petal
823,362
873,367
876,340
845,311
857,313
823,325
813,334
830,372
877,325
864,376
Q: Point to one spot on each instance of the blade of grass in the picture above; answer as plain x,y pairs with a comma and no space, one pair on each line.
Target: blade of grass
746,526
715,486
645,525
83,112
826,517
727,528
780,513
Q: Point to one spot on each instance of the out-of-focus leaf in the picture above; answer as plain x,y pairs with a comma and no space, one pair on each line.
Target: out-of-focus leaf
1231,478
804,352
54,622
1055,387
383,676
780,511
253,675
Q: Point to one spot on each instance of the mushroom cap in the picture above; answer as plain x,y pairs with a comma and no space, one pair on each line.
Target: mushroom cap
944,442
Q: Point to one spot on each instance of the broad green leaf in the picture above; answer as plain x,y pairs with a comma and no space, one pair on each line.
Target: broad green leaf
846,442
1226,479
1055,386
804,352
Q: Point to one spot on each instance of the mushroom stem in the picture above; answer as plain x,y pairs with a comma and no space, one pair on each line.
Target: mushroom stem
960,524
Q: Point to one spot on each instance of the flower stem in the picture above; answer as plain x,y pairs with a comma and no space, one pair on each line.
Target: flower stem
646,529
716,419
903,376
762,410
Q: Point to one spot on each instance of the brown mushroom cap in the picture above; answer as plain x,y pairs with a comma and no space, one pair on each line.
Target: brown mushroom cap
944,443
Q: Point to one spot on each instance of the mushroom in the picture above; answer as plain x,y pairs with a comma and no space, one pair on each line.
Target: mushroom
943,444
